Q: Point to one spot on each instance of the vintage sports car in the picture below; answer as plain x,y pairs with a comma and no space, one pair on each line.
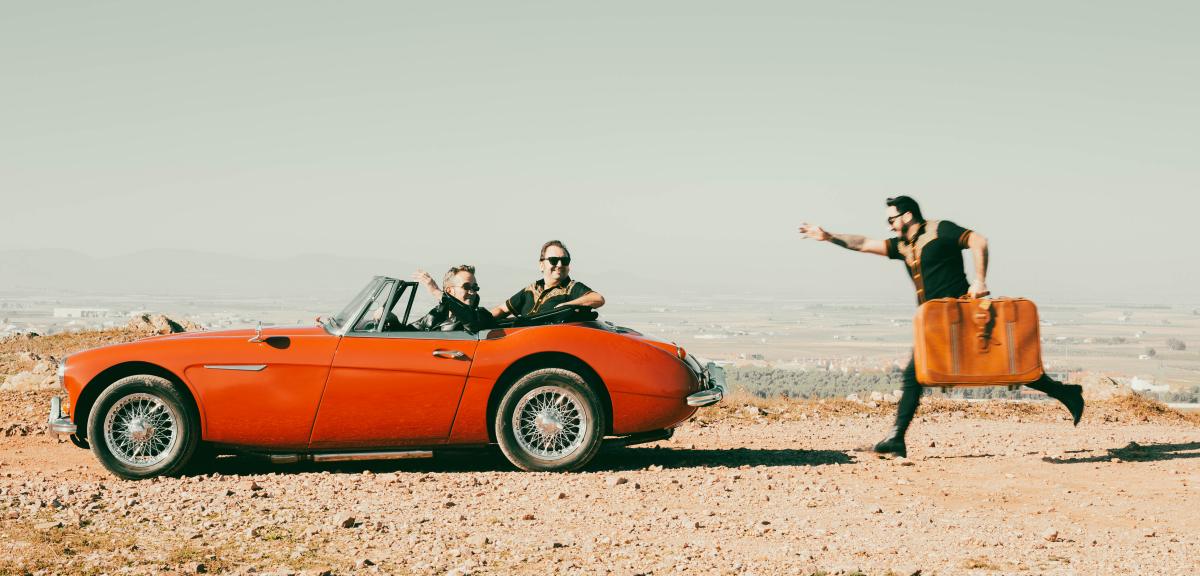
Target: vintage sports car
548,389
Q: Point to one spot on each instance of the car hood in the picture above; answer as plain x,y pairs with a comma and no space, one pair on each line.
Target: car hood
665,345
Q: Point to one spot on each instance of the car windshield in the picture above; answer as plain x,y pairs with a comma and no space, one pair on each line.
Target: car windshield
348,312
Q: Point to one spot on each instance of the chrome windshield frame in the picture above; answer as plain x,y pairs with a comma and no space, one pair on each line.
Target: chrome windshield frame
392,290
365,296
383,282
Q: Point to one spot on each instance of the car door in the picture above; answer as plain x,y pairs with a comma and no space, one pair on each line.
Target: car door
390,389
262,391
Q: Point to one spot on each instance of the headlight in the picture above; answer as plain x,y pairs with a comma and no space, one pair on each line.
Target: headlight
62,374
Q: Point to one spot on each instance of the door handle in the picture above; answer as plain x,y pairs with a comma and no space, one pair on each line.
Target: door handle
452,354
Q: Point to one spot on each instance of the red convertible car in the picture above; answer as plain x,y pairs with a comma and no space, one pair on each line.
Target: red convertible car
548,389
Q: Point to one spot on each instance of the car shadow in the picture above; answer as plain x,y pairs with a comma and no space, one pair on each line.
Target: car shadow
1134,452
636,458
492,460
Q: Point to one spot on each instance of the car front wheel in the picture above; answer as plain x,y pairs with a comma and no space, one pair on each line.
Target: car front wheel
550,420
141,427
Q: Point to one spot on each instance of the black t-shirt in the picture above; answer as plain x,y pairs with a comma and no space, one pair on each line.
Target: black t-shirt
934,260
536,298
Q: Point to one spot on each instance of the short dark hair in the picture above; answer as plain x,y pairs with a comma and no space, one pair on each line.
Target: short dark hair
906,204
553,243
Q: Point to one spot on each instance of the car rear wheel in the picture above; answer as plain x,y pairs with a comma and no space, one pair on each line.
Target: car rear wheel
550,420
141,427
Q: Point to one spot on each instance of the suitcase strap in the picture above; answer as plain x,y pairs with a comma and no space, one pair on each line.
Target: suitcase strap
984,319
985,322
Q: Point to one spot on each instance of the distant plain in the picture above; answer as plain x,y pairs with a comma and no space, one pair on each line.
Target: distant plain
1108,339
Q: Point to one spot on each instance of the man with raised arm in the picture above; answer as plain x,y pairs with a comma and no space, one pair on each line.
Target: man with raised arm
458,298
932,253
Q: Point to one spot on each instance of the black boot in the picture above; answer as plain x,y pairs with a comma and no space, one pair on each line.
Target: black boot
910,398
893,444
1072,398
1071,395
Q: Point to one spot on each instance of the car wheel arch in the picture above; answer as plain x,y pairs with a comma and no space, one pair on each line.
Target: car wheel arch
546,360
101,382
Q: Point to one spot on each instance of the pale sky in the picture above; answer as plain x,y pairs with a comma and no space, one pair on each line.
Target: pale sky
675,143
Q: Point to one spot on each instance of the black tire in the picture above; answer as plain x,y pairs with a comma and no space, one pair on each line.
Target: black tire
563,421
141,427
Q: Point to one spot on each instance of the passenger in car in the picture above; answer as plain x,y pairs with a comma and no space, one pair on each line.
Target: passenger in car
459,294
555,289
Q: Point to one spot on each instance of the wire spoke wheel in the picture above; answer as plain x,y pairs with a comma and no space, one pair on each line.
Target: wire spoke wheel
141,430
549,422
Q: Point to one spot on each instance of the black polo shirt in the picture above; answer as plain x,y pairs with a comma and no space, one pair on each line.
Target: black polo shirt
536,298
934,259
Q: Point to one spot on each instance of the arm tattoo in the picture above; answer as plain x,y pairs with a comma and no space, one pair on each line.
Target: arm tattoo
848,241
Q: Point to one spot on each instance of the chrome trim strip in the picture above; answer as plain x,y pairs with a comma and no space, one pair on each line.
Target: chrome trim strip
432,335
238,367
359,456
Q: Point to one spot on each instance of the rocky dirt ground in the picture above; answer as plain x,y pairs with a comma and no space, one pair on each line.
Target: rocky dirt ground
748,488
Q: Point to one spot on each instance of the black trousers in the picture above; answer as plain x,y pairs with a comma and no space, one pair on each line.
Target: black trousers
912,391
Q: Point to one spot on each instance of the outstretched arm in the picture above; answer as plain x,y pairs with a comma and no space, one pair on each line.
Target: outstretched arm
979,253
592,299
847,241
499,311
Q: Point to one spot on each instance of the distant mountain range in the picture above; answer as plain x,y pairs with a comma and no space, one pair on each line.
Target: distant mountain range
185,272
161,272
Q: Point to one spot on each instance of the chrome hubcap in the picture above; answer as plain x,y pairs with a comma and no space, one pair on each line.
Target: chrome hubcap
141,430
549,422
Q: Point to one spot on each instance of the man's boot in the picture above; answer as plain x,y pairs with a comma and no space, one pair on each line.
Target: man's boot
1071,395
905,410
893,444
1072,398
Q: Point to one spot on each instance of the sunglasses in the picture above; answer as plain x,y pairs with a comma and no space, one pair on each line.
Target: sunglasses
892,219
556,260
468,287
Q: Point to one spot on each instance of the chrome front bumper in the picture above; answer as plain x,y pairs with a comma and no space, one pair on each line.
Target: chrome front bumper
712,380
59,424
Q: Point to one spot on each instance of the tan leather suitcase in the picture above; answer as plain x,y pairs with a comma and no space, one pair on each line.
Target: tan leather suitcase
977,342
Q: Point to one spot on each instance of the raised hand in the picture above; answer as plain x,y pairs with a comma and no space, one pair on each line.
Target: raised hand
813,232
427,281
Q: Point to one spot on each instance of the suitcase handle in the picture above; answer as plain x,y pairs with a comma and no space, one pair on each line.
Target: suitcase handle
985,321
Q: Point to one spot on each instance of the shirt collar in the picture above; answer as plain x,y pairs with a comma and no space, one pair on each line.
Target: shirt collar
917,236
541,284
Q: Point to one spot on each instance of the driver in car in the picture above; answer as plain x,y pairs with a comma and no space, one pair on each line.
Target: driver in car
457,309
554,290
